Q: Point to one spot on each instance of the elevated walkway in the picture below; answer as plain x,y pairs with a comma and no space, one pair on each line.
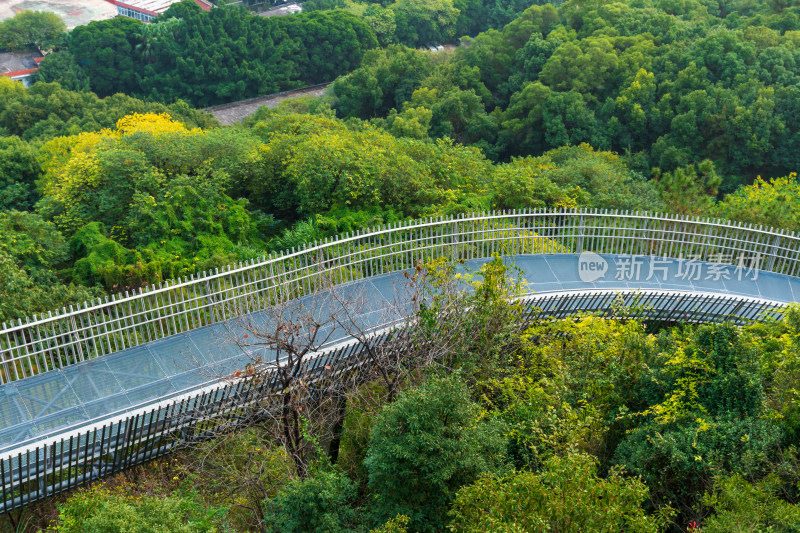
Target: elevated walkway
91,391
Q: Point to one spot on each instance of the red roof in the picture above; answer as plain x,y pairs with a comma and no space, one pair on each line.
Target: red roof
20,73
23,72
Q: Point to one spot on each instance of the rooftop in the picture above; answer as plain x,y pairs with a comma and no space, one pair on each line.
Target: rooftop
155,7
19,61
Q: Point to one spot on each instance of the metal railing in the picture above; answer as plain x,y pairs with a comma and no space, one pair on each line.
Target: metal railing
41,343
42,469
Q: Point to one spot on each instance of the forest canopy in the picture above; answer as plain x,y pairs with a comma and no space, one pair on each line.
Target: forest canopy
112,178
208,58
668,87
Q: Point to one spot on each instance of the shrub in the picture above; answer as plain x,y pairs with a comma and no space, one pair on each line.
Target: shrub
98,510
320,503
424,447
742,506
567,496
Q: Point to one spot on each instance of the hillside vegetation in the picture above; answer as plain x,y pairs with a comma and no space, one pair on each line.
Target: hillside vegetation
668,85
588,424
111,179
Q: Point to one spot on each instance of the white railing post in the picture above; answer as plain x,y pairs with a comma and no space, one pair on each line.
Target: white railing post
104,326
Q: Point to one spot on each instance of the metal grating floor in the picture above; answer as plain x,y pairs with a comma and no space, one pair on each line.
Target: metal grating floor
88,392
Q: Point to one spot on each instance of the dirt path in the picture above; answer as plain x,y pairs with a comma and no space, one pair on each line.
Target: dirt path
234,112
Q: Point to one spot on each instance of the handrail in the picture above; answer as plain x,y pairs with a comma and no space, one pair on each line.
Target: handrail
38,344
76,456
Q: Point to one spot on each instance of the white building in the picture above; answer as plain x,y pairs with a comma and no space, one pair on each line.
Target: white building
147,10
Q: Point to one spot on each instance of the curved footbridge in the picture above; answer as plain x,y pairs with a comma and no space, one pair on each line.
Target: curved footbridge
89,391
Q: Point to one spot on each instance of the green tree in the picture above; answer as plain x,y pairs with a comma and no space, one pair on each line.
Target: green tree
105,48
301,175
566,496
603,176
41,29
321,503
460,115
30,251
382,22
19,169
61,67
327,44
689,190
770,203
46,110
413,122
424,447
425,22
523,184
228,54
584,66
150,200
741,506
705,417
385,80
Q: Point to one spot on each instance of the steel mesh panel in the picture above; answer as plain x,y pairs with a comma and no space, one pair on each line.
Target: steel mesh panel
47,394
92,380
135,368
176,354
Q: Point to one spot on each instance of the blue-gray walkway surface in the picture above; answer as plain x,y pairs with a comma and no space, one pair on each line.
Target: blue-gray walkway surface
89,392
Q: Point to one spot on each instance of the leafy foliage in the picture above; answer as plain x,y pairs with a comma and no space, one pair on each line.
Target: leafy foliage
30,251
707,418
303,173
19,169
218,56
144,202
749,506
61,67
669,87
99,510
770,203
566,496
45,110
424,447
40,29
318,503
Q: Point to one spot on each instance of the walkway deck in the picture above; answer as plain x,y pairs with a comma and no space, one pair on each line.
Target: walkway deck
87,392
92,391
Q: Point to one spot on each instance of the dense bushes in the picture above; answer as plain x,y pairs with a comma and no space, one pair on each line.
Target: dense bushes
102,511
424,447
566,496
31,251
320,503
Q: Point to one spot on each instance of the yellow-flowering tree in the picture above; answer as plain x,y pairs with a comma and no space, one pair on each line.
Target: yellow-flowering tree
159,190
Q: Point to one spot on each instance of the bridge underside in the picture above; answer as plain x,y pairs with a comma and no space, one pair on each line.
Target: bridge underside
68,426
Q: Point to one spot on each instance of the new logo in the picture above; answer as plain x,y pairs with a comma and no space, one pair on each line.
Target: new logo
591,267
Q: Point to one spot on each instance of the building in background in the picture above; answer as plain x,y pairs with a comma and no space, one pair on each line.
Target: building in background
147,10
20,66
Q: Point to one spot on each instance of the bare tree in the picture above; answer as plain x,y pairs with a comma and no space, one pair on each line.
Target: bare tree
281,341
426,326
307,356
